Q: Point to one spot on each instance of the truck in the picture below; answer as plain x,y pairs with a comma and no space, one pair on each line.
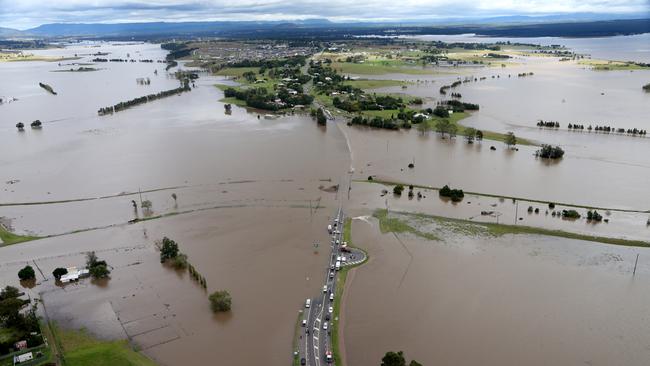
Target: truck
338,265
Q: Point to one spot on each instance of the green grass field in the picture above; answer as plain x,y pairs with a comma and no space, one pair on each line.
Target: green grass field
237,71
396,225
81,349
379,69
374,84
9,238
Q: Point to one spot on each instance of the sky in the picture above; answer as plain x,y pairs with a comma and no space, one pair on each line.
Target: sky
23,14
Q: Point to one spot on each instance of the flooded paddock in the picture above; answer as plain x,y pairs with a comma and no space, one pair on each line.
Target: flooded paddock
512,300
263,256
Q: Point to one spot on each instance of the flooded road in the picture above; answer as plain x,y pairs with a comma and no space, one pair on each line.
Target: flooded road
512,300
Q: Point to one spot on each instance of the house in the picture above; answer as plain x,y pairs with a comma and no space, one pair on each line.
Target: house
20,345
23,358
74,274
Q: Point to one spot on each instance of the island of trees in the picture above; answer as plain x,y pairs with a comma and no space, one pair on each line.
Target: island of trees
456,195
550,152
646,87
141,100
47,87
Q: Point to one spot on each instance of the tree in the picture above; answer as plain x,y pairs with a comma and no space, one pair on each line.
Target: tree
393,359
397,359
424,127
92,260
397,190
27,273
511,140
220,301
99,271
174,196
169,249
479,135
443,126
180,261
57,273
470,134
320,117
441,112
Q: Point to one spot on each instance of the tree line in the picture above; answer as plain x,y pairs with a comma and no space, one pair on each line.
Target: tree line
141,100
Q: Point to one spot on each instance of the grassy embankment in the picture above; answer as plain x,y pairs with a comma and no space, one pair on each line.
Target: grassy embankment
604,65
296,337
480,194
80,349
392,224
9,238
338,296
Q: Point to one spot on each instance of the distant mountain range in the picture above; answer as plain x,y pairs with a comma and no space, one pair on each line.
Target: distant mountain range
570,25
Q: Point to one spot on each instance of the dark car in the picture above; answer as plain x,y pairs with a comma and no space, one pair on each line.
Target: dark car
303,361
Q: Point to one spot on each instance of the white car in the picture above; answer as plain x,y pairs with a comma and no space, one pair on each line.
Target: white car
304,322
331,309
331,297
325,326
308,303
325,288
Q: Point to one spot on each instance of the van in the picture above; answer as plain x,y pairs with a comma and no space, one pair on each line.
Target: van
338,265
308,303
329,229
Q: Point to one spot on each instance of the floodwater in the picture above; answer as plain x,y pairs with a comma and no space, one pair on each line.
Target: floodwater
621,48
514,300
253,195
263,256
593,164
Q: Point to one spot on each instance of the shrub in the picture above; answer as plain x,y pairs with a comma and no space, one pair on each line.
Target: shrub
99,271
27,273
551,205
594,215
180,261
169,249
398,189
220,301
570,214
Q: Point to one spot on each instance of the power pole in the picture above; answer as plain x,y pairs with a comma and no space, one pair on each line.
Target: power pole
635,263
516,211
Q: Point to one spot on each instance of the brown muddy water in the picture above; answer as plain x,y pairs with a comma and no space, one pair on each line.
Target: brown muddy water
253,195
621,224
263,256
514,300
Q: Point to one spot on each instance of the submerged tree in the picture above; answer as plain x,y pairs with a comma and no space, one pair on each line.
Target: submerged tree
220,301
511,140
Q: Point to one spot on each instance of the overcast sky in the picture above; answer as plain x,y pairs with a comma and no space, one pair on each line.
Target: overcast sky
22,14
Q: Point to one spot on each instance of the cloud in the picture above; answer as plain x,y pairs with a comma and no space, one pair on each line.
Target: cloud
23,14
